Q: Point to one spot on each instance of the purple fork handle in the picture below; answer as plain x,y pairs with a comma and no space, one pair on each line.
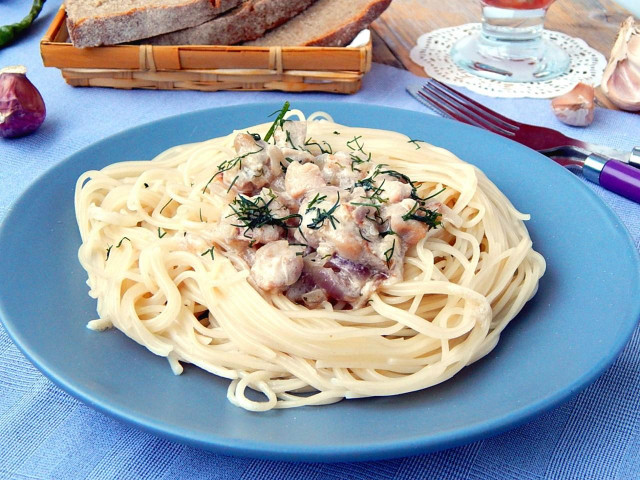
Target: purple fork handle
613,175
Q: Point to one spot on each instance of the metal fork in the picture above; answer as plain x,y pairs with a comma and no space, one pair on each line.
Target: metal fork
451,103
607,167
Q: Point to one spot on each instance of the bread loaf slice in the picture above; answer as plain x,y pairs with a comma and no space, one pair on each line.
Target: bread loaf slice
330,23
107,22
247,22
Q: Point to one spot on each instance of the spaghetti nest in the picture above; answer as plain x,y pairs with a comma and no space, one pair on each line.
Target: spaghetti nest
163,275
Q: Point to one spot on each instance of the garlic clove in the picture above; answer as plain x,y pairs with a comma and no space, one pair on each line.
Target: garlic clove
621,77
575,107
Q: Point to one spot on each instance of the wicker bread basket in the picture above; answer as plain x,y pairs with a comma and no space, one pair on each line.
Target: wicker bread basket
205,67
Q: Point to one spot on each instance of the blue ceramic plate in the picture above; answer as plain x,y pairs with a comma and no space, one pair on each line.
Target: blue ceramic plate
583,314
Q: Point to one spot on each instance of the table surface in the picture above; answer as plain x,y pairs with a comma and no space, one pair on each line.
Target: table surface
396,31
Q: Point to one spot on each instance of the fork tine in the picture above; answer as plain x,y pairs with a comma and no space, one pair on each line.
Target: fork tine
464,113
445,110
485,112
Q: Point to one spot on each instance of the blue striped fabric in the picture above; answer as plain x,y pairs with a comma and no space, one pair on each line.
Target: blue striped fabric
46,434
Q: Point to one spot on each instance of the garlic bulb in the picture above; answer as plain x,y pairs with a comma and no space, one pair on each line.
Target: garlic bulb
621,78
575,107
22,109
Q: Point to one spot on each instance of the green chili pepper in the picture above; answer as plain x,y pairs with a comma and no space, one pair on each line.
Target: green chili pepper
9,33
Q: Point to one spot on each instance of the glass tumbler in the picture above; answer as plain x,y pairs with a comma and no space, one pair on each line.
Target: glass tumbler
510,46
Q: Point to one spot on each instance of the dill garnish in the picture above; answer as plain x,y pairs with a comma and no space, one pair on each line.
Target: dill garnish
311,141
365,204
284,167
316,199
278,122
117,246
229,164
256,213
356,160
415,142
210,252
235,179
122,240
358,147
161,233
322,215
421,214
368,183
362,236
289,141
165,205
377,218
388,254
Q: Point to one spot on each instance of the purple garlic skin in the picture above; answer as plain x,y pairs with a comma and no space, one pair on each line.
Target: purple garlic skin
22,108
576,107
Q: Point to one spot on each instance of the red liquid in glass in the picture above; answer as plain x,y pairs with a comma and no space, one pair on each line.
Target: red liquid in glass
518,4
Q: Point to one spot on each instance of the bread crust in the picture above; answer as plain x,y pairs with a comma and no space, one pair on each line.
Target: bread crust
246,22
333,35
135,23
343,34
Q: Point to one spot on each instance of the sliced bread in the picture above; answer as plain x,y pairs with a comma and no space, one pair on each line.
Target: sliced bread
246,22
331,23
107,22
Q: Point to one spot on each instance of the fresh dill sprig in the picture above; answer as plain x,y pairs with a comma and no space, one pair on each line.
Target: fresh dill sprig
415,142
278,122
117,246
388,254
311,141
377,218
362,236
322,215
366,204
229,164
356,160
210,252
317,199
376,200
161,233
358,146
421,214
122,240
368,183
235,179
284,167
165,205
289,141
255,213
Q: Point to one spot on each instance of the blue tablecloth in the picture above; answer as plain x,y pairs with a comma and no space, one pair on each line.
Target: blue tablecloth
45,433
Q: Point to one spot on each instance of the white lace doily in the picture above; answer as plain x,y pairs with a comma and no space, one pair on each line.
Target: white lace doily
432,52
